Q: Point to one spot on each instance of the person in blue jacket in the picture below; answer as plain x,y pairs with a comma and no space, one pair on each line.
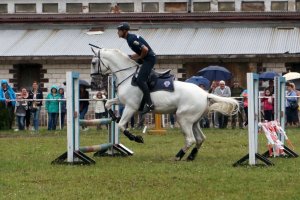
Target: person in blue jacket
52,107
7,98
144,54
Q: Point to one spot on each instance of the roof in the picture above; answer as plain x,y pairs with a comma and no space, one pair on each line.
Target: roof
164,41
148,17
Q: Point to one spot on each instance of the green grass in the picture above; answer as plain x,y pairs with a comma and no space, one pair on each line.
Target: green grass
26,172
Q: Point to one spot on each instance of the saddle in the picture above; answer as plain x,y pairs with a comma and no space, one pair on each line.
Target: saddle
158,81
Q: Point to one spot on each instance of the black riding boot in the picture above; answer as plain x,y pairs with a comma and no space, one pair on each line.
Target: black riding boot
148,105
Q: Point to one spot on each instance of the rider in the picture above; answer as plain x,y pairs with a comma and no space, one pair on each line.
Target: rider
142,52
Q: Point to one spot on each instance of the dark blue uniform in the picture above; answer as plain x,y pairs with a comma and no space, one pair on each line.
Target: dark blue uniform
136,43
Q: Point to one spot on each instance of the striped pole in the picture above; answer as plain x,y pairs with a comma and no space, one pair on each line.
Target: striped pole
95,148
93,122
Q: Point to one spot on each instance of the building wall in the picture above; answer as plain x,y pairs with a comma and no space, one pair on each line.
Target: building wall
165,6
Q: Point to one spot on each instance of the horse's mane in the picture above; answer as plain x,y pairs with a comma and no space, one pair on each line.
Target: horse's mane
121,54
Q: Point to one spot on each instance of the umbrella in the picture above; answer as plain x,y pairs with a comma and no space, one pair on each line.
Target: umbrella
84,83
81,82
265,76
199,80
215,73
291,76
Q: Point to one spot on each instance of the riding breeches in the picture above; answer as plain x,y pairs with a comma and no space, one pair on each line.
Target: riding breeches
143,75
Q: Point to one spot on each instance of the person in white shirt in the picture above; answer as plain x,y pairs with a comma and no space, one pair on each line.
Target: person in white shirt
223,91
99,106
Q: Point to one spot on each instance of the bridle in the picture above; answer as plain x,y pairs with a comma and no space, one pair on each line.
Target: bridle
99,71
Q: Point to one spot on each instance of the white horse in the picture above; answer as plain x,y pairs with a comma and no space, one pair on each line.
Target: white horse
188,101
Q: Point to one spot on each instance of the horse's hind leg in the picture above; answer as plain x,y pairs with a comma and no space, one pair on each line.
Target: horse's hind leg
200,138
187,128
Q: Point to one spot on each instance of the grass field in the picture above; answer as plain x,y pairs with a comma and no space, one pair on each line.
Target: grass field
151,173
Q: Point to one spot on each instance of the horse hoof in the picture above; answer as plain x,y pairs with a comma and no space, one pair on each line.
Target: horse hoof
139,139
118,119
190,158
192,155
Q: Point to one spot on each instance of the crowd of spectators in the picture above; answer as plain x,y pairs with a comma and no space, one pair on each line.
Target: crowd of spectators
24,106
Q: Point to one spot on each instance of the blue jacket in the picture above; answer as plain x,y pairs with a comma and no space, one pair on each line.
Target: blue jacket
10,92
52,106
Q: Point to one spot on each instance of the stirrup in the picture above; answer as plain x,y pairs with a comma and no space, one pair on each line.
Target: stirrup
147,108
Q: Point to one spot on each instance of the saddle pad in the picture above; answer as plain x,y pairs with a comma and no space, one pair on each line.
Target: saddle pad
166,84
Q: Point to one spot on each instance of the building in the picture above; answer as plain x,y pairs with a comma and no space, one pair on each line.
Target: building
41,40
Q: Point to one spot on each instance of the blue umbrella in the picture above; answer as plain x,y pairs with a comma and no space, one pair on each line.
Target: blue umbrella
199,80
265,76
215,73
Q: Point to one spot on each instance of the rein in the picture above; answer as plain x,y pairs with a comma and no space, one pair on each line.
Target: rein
100,71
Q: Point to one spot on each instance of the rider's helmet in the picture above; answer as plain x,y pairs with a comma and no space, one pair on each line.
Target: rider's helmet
124,26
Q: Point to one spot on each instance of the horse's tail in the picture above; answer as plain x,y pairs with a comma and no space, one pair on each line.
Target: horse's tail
224,105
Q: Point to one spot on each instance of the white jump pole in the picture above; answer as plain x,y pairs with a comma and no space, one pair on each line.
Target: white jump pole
279,102
253,120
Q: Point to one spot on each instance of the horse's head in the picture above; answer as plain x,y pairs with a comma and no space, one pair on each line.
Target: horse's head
98,66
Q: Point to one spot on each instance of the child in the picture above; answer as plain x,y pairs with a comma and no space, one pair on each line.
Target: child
99,106
268,105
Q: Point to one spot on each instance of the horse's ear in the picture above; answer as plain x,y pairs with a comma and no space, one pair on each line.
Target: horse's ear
94,51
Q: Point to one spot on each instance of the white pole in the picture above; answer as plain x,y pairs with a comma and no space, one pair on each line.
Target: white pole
252,88
72,114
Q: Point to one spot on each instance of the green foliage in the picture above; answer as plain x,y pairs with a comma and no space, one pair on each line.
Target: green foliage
151,173
4,116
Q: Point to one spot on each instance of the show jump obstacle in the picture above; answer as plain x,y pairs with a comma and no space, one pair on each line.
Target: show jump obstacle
75,153
253,119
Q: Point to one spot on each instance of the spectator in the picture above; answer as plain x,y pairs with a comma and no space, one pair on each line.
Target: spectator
245,105
204,121
213,86
8,97
236,91
36,104
271,87
141,121
20,111
99,107
291,111
268,105
223,91
52,107
83,104
25,95
172,120
63,107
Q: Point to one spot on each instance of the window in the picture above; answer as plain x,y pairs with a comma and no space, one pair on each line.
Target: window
3,8
25,8
74,7
126,7
201,6
176,7
150,7
298,5
50,8
279,6
226,6
253,6
99,7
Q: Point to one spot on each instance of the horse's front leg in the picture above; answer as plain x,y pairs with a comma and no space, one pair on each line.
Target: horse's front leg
108,106
126,115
